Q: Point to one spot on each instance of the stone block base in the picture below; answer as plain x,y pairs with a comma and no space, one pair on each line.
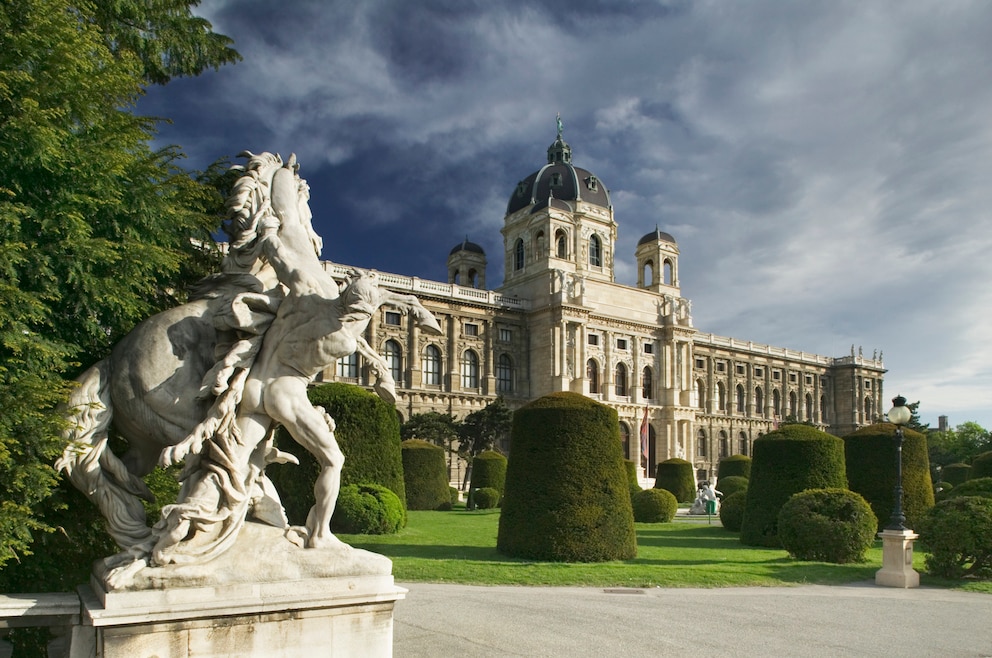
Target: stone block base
897,560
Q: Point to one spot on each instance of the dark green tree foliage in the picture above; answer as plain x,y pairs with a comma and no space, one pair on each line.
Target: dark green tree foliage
730,485
489,470
828,525
440,429
870,455
732,510
483,429
959,445
981,466
678,477
957,535
486,498
734,465
955,473
632,469
567,495
785,462
368,432
978,487
367,509
426,476
95,226
654,506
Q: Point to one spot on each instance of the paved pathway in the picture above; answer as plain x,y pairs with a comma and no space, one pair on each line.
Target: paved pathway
813,620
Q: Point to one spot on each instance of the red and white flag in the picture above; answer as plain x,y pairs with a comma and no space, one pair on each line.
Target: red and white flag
644,435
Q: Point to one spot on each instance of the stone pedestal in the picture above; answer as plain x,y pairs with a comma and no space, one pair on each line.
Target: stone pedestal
897,560
264,597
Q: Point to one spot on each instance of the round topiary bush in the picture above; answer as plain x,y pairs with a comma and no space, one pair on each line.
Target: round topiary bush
828,525
367,509
734,465
486,498
957,534
955,473
567,496
870,455
368,432
785,462
426,476
676,476
730,485
489,470
455,495
732,510
981,466
980,487
654,506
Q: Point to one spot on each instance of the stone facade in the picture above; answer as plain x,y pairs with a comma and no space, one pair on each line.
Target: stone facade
560,322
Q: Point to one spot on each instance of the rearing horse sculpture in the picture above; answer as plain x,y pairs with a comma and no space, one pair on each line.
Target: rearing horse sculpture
210,380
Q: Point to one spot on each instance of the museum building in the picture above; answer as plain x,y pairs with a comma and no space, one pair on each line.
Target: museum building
560,322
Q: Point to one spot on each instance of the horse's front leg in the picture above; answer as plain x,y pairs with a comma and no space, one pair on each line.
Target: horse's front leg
384,384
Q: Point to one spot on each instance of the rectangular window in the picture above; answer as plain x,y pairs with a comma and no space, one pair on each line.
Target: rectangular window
721,366
393,318
793,378
348,366
759,372
809,380
471,329
700,363
740,370
505,335
648,347
777,375
593,339
621,343
867,384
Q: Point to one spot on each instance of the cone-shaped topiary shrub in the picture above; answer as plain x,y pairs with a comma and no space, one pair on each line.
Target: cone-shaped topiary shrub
368,433
631,467
676,476
870,456
828,525
787,461
734,465
732,510
981,466
426,476
730,485
654,506
367,509
978,487
957,535
955,473
486,498
489,470
567,496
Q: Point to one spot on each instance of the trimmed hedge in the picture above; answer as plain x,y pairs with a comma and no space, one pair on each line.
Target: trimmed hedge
567,494
678,477
368,433
739,465
732,510
730,485
367,509
979,487
981,466
489,470
486,498
426,476
654,506
957,534
828,525
955,473
785,462
870,455
632,469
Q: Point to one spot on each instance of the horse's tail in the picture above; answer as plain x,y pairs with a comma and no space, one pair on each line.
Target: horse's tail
94,469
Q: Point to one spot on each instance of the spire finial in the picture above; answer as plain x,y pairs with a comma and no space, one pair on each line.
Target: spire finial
560,126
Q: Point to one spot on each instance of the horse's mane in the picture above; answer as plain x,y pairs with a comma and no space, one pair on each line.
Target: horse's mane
249,212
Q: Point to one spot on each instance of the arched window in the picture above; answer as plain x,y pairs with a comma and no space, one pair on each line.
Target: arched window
625,439
724,445
473,279
394,357
647,275
740,399
432,366
701,444
348,366
759,402
793,405
823,409
595,251
701,393
539,247
742,443
620,383
669,272
561,244
592,374
518,255
721,391
504,374
647,384
776,402
809,407
868,414
470,369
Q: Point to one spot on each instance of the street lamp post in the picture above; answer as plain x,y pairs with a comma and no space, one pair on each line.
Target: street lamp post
897,540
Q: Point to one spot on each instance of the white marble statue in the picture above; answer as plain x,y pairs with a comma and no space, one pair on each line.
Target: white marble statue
209,381
706,493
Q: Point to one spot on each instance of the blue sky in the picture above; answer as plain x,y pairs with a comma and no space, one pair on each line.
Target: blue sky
825,166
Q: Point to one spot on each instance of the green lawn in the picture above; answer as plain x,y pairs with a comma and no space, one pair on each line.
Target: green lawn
460,547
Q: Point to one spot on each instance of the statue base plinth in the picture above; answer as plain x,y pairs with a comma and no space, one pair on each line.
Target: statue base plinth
897,560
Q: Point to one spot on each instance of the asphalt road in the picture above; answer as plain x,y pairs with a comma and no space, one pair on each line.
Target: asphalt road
815,620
